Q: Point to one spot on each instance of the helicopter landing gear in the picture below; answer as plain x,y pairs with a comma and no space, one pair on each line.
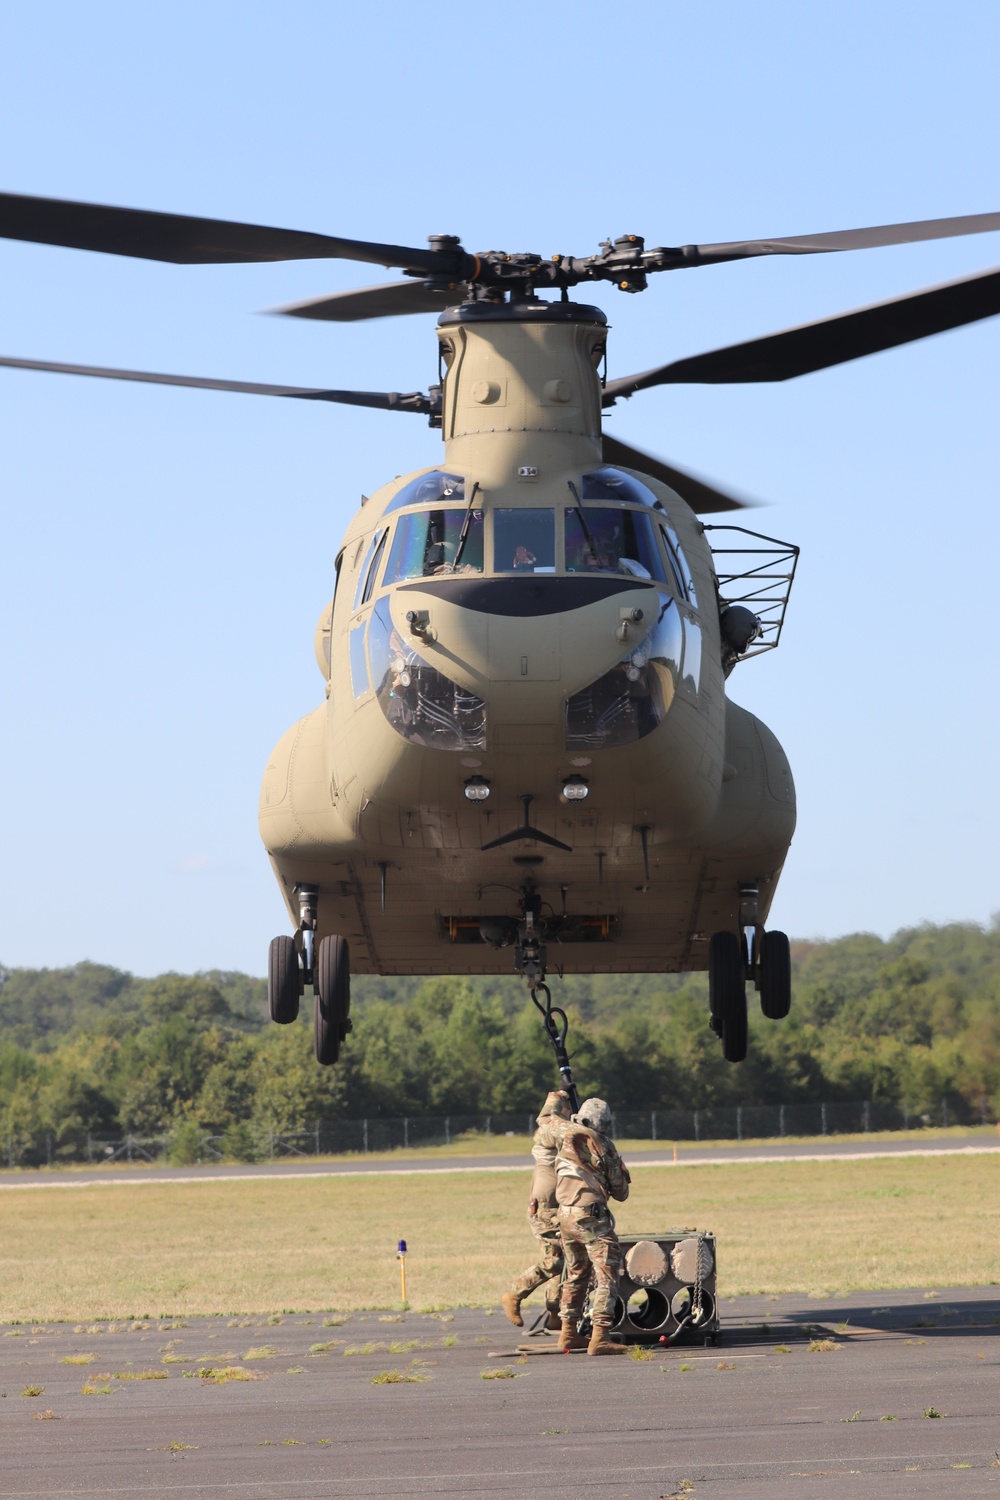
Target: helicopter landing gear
727,994
284,980
756,955
332,999
767,958
305,933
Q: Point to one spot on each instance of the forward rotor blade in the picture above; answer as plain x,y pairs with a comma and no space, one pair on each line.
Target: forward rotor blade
385,400
703,498
189,241
830,341
389,301
844,239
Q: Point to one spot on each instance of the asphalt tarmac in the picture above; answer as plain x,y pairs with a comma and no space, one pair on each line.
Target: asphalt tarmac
820,1149
900,1401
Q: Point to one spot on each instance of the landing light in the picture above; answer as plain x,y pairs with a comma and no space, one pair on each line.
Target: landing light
575,789
477,789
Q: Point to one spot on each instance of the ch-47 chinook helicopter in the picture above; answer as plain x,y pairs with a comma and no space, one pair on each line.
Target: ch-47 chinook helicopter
526,742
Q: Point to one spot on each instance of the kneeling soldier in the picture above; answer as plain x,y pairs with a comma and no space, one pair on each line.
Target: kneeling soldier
542,1206
588,1172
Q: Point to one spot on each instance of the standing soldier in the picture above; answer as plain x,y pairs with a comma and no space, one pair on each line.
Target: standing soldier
588,1172
542,1207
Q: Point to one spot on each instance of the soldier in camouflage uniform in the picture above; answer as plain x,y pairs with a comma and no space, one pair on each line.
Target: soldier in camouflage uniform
542,1215
589,1171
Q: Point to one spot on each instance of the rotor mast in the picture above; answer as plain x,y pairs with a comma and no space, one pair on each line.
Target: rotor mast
521,388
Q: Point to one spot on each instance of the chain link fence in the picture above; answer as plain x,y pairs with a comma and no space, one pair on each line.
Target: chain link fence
255,1142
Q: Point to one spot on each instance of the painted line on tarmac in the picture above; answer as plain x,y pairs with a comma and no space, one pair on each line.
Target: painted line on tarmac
722,1161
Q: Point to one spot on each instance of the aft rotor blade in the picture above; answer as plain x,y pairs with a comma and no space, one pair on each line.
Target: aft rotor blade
390,301
830,341
844,239
190,241
703,498
414,401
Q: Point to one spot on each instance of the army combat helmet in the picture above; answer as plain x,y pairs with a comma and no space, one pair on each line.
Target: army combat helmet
596,1114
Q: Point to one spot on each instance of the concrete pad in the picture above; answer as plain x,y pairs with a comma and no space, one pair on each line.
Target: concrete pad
743,1420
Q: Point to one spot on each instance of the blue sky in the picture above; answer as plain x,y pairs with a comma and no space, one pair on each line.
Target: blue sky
166,553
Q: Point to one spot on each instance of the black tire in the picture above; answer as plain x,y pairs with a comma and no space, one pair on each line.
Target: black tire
333,998
284,983
727,993
775,976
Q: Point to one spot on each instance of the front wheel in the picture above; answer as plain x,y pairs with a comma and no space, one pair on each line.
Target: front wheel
727,994
284,984
775,976
332,998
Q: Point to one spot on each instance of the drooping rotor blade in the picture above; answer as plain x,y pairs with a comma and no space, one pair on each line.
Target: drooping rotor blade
389,301
844,239
190,241
829,341
414,401
703,498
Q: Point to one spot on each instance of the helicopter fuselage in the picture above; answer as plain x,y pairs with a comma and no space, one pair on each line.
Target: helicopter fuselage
525,688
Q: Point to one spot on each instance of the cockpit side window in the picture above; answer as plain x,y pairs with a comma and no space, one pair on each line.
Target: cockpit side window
426,545
377,538
373,566
679,564
610,539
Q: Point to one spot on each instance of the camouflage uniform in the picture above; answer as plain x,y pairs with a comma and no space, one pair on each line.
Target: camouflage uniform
588,1172
543,1220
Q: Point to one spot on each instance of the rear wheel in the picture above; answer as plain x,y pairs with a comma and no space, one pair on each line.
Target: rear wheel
774,976
332,1003
727,994
283,981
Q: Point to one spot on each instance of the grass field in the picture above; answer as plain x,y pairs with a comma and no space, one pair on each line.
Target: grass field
304,1244
477,1143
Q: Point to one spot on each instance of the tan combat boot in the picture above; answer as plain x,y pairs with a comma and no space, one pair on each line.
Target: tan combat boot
511,1304
570,1339
601,1342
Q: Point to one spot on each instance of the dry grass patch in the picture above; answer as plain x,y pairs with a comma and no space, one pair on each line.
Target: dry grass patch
32,1390
397,1377
78,1359
223,1374
48,1415
501,1374
91,1388
140,1375
782,1227
823,1346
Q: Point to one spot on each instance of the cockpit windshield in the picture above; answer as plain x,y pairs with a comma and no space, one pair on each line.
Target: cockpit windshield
609,539
436,543
524,540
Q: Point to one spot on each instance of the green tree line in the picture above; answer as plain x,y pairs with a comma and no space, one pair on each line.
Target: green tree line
908,1021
